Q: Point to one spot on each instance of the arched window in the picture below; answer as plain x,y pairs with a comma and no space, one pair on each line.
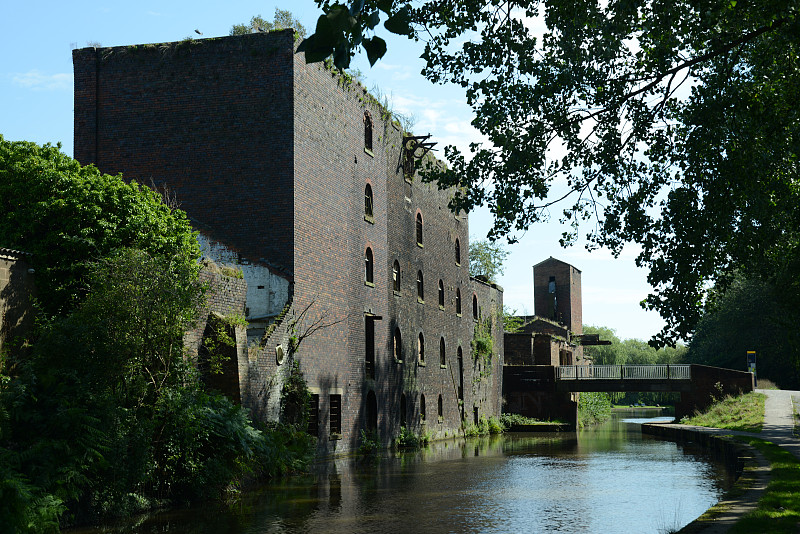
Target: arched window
368,210
440,409
422,408
396,276
475,307
458,301
442,356
458,252
460,360
368,266
403,409
397,348
367,130
420,287
372,412
421,348
419,229
441,294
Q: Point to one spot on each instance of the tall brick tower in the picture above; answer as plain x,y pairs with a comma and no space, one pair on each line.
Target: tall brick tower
557,295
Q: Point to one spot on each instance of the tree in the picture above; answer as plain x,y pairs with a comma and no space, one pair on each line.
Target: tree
69,217
486,259
283,20
673,125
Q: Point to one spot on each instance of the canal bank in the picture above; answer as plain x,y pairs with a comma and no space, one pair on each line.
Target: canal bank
518,482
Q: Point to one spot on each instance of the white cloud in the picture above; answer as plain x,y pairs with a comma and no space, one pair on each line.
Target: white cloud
39,81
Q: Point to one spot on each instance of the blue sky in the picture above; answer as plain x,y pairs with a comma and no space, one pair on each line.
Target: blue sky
36,104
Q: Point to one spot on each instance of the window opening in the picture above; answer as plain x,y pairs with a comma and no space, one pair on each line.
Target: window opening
422,408
367,130
398,345
442,356
458,301
441,294
368,266
475,415
440,409
458,252
313,416
460,358
420,287
368,209
372,412
369,346
396,276
335,414
421,348
419,229
475,307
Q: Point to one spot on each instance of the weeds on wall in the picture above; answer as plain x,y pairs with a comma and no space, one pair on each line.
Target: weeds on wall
409,441
482,345
295,399
492,425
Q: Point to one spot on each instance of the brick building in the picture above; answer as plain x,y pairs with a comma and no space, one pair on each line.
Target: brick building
297,176
17,290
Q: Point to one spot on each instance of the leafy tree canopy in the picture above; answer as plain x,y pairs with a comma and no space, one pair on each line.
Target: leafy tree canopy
69,216
486,259
283,20
673,125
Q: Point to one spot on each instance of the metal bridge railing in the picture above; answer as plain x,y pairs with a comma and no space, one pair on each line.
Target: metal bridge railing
622,372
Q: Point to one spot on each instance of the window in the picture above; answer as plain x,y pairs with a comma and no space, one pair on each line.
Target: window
458,301
475,307
421,348
441,294
396,276
422,408
368,266
420,287
367,131
397,346
335,415
369,346
440,409
313,416
442,356
458,252
460,358
403,409
369,213
419,229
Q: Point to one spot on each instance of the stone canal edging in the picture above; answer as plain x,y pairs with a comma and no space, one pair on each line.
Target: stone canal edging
749,466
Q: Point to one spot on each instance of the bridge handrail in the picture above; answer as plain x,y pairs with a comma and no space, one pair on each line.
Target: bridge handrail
622,372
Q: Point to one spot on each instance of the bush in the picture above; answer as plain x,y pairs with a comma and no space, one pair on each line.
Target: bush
593,408
408,440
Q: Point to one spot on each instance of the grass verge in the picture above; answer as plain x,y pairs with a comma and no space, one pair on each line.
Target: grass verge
779,508
745,413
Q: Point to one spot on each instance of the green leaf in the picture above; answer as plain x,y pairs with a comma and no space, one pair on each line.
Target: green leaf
400,22
375,47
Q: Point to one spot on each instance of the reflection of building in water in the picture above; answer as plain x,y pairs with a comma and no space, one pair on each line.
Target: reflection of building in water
298,178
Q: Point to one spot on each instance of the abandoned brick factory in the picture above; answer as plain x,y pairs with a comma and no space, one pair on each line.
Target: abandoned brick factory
294,175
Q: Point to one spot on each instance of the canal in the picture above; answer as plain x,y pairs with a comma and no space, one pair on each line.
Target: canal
606,479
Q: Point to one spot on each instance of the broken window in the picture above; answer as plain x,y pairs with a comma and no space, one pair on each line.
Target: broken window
396,276
368,209
420,287
442,356
422,408
369,346
475,307
367,130
440,409
397,345
313,415
368,266
335,414
441,294
421,348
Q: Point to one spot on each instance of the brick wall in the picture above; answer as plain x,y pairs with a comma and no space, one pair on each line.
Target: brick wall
17,288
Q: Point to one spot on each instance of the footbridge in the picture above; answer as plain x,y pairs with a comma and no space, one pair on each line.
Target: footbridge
553,392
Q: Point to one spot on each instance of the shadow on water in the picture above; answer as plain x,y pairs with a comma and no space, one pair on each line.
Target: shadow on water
606,479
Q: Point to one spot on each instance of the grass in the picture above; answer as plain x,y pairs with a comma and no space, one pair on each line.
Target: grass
779,508
744,413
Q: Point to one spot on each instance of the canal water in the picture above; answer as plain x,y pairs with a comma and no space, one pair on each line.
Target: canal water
607,479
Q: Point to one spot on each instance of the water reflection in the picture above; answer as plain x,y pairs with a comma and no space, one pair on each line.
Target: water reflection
606,479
